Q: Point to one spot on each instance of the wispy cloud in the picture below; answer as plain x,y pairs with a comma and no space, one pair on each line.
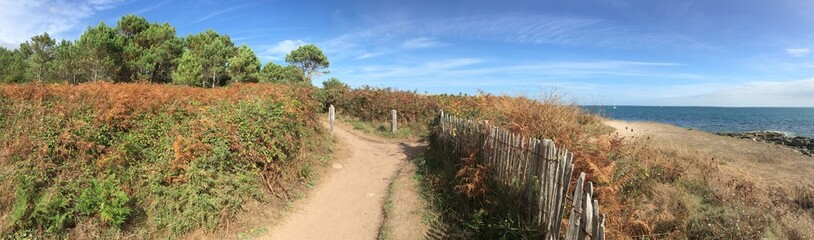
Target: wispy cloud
536,29
422,42
367,55
798,52
506,28
21,20
398,72
473,73
797,93
153,7
575,70
278,51
221,12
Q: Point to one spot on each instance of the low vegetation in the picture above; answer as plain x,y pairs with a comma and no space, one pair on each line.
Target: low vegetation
147,161
650,189
455,181
667,192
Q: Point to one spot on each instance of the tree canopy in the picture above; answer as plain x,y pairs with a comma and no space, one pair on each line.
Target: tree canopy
309,59
275,73
244,66
137,50
188,71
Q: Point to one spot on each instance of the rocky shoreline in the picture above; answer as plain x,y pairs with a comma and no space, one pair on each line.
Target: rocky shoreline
803,145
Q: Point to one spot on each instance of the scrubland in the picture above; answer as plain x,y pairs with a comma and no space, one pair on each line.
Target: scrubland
674,184
102,160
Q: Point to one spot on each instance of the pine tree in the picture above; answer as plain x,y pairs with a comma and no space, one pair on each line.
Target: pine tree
244,66
188,71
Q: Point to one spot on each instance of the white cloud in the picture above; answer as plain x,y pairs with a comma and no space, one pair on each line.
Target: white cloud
446,67
422,42
445,71
798,52
221,12
366,55
20,20
798,93
153,7
507,27
282,48
521,28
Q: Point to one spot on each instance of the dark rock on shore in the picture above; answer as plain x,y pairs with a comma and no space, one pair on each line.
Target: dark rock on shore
803,145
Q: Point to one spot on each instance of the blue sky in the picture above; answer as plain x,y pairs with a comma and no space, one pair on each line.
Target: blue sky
672,52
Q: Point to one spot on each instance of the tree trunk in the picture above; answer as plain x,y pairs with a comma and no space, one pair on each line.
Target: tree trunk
214,76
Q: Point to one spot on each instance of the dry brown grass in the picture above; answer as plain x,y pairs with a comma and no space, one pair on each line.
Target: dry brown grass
546,117
673,183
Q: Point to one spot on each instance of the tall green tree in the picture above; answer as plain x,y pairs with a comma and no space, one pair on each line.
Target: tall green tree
12,66
149,50
188,71
244,66
158,48
38,54
212,51
126,29
67,62
309,59
275,73
130,25
100,48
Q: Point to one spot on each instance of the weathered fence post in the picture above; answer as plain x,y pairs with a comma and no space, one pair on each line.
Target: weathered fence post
441,121
537,168
331,116
393,123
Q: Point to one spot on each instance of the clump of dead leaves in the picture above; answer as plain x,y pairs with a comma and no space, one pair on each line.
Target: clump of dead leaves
472,177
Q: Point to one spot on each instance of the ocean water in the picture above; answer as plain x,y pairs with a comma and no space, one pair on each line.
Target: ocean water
792,121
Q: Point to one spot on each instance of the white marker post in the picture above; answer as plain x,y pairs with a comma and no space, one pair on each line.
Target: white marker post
393,125
331,116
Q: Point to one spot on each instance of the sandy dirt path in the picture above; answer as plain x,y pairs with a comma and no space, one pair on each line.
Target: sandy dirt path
347,202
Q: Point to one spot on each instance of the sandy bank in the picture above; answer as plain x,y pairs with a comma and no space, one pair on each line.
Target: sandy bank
760,174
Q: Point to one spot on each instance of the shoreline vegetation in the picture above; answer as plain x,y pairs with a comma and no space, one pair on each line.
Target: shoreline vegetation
743,189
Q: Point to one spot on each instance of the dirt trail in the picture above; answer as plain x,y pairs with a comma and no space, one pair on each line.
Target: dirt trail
347,203
405,215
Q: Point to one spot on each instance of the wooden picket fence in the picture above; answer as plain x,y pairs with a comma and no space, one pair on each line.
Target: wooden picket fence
536,168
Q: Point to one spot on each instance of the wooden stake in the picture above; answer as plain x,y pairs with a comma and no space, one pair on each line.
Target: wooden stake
393,123
331,116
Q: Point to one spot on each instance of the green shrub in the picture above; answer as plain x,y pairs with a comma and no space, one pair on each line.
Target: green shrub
105,199
52,212
151,161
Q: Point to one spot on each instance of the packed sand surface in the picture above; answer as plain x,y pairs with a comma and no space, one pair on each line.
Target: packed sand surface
347,203
406,210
